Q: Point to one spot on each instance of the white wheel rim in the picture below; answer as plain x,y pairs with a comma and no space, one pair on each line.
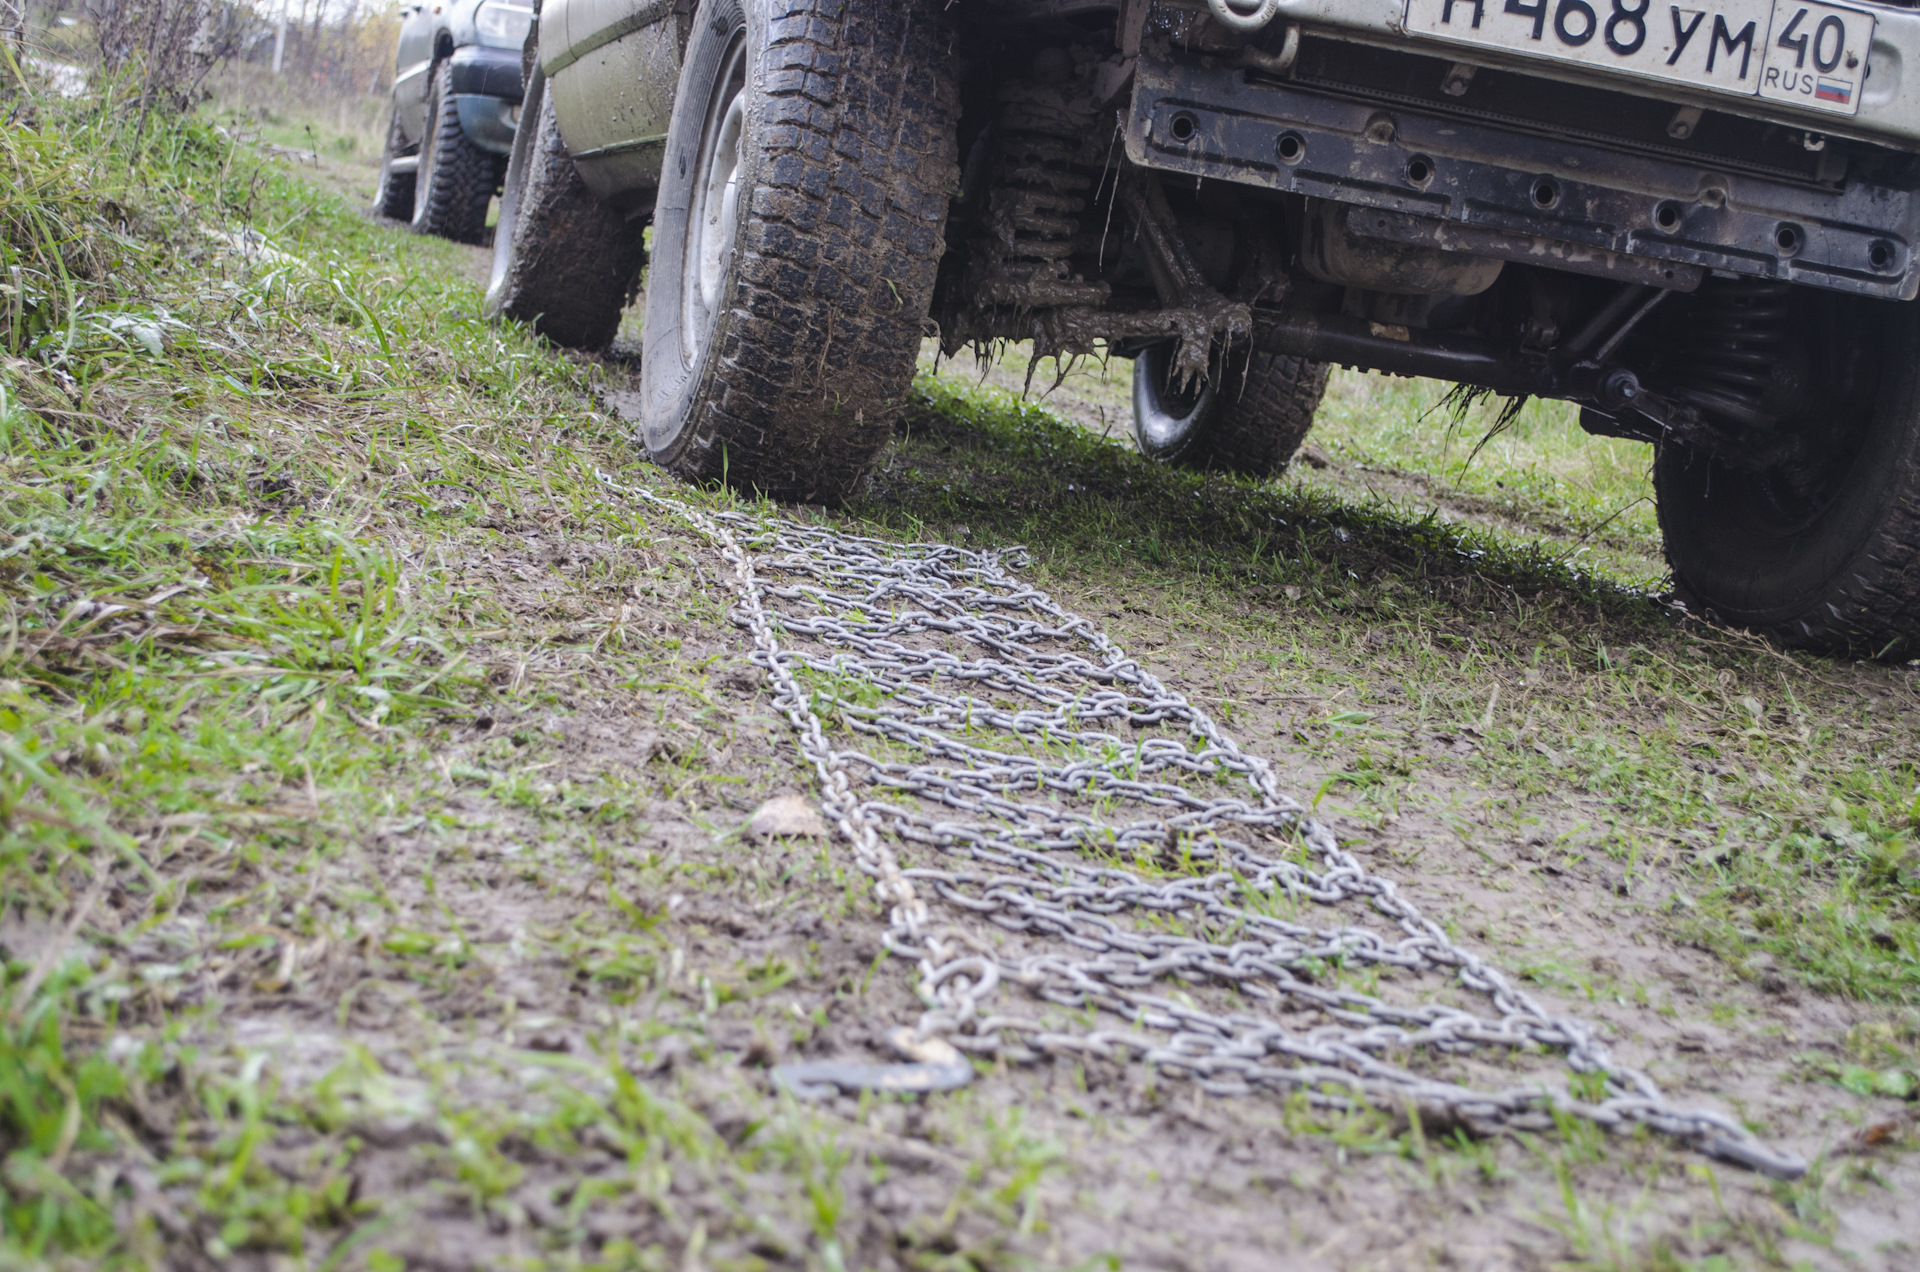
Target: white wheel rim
714,214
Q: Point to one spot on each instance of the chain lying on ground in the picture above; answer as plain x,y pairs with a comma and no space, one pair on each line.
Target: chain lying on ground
931,651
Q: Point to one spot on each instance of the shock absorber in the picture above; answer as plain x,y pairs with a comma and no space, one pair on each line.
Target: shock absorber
1738,335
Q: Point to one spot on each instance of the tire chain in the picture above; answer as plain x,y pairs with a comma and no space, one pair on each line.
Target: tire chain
1022,866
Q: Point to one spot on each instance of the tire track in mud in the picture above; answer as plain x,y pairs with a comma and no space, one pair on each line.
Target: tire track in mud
585,951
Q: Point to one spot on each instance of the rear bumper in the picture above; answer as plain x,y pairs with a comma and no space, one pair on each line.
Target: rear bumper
1492,192
486,92
487,72
1889,105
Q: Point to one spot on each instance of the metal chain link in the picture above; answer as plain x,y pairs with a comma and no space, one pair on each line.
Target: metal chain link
992,712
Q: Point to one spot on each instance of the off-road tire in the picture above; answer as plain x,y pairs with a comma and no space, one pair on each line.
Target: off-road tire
846,161
1251,422
562,260
1846,579
456,178
394,196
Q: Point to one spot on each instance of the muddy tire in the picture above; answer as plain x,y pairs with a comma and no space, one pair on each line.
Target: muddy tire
1251,422
796,236
456,178
393,198
1836,567
562,260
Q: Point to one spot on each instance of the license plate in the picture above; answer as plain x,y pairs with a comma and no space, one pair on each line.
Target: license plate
1812,55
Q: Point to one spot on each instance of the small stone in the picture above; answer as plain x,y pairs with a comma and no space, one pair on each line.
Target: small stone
787,816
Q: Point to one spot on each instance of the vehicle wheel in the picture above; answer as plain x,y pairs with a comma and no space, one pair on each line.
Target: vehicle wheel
795,239
1823,552
562,260
456,177
1250,422
394,197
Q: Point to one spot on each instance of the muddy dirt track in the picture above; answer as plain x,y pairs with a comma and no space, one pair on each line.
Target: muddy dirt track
500,979
761,952
765,951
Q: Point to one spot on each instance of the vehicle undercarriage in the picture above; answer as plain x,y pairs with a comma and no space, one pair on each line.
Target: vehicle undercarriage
1239,193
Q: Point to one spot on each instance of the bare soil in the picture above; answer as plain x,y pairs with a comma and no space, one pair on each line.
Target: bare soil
538,992
642,693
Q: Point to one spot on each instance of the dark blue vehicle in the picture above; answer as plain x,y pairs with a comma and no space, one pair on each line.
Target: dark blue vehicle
456,103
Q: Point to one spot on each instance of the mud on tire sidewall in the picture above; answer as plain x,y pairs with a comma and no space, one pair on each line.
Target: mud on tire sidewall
1823,584
563,262
518,160
841,145
671,384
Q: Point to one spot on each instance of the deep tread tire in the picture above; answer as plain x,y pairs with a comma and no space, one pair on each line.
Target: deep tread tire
394,196
456,177
562,260
1251,423
1846,579
846,161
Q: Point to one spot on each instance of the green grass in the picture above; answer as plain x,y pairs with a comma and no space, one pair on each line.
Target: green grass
1409,448
1538,471
306,575
217,656
333,132
281,691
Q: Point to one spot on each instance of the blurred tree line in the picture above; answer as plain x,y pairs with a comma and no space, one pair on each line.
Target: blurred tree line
332,48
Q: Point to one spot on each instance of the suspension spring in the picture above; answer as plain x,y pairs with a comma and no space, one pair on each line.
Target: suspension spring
1734,348
1038,193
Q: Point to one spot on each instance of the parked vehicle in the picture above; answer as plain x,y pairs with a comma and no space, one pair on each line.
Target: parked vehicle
1696,223
456,101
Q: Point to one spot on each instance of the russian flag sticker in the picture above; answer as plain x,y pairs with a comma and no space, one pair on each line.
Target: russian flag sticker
1834,91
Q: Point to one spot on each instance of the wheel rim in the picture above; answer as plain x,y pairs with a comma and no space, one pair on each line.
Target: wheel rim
1166,419
714,215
